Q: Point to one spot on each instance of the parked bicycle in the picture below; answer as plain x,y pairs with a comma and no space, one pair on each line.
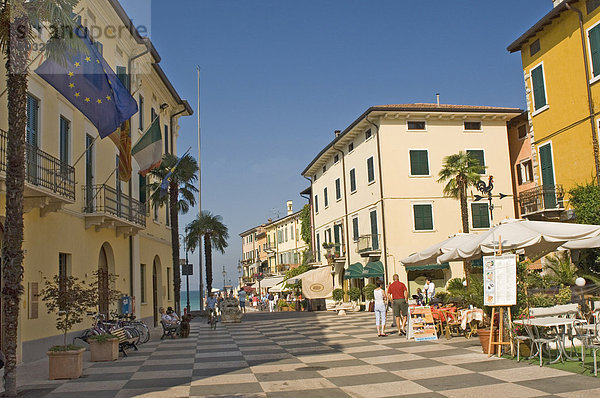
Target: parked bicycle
134,329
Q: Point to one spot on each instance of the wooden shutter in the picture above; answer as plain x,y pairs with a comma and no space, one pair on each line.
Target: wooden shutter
480,215
594,36
355,228
352,180
539,92
32,120
478,154
423,217
338,189
419,163
33,300
370,170
123,76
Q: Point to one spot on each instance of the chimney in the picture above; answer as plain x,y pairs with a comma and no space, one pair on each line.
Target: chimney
289,207
337,133
270,220
437,96
556,2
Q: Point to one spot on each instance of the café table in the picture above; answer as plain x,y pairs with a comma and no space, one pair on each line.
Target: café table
560,325
470,315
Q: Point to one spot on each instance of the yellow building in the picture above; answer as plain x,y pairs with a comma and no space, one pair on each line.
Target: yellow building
79,218
561,66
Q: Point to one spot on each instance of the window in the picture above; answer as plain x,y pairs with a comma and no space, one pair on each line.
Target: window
353,180
141,112
423,215
316,203
370,170
324,168
153,115
318,248
368,134
338,189
415,125
155,215
33,107
539,87
123,76
292,232
525,172
481,215
143,282
143,188
522,131
169,287
591,5
64,260
336,158
419,162
65,140
325,197
166,139
472,126
594,40
286,234
374,230
350,147
355,229
167,218
534,48
478,155
99,46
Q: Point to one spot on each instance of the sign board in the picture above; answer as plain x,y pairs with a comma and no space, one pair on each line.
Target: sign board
421,325
500,280
187,269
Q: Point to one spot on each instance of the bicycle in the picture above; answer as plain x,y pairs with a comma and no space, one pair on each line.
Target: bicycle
136,327
212,319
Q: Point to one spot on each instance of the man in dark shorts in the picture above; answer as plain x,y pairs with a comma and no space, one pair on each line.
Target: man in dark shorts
397,294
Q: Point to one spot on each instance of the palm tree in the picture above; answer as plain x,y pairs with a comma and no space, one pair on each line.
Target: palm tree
460,171
215,233
16,19
180,198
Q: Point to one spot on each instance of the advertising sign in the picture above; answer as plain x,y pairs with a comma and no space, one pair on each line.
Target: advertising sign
187,269
500,280
421,324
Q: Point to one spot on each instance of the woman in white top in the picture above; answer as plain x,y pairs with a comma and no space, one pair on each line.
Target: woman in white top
380,309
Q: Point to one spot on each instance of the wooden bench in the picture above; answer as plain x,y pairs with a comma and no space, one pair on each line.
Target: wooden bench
168,330
125,341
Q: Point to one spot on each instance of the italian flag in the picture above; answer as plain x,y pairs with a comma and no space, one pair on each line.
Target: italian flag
148,150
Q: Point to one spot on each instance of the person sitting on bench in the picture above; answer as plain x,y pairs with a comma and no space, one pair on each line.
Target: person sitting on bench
168,321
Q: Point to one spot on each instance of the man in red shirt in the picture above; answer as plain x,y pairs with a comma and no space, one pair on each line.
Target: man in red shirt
397,294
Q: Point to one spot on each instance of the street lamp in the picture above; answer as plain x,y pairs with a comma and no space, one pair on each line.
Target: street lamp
224,277
580,282
187,274
240,269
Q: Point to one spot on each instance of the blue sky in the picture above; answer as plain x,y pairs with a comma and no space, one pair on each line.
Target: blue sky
279,76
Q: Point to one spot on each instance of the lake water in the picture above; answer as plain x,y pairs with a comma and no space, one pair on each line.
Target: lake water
194,299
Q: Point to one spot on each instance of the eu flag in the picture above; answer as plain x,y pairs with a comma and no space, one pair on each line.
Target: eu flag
88,82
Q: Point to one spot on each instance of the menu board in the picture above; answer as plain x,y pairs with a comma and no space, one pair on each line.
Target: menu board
500,280
421,324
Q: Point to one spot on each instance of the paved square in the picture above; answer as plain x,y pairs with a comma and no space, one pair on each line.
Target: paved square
311,355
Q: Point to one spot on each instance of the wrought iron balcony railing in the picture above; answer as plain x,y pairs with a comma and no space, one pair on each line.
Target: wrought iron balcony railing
107,200
43,170
538,199
368,243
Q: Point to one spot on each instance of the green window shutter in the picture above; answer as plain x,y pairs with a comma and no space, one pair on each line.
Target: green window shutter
316,203
32,120
325,197
338,189
352,180
355,228
481,215
479,155
419,163
539,92
370,170
123,76
423,217
142,181
594,36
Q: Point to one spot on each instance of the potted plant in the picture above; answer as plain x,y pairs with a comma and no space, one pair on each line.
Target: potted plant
338,295
104,347
368,290
328,245
69,299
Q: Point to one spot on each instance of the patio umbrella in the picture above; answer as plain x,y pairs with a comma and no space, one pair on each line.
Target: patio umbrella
536,238
429,256
589,243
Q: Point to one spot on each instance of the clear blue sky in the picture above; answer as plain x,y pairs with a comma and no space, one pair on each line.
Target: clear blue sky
279,76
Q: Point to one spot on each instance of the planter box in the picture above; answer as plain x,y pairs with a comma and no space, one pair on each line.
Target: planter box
65,364
104,351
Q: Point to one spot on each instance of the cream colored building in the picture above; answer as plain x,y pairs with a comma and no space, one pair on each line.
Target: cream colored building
375,195
78,217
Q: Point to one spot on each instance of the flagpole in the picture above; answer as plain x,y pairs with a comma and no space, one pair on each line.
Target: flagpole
199,195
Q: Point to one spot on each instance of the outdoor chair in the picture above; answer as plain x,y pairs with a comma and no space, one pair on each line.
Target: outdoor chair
540,340
452,323
519,339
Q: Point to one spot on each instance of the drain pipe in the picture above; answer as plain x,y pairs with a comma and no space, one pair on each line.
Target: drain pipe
347,254
385,261
589,91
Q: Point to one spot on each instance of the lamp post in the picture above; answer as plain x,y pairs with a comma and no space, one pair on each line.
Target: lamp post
187,274
239,268
224,277
580,282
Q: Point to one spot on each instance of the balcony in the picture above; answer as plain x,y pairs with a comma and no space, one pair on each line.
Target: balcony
105,207
49,182
270,248
545,202
337,252
368,245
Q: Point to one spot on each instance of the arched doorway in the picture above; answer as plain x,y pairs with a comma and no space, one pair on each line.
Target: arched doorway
156,297
105,268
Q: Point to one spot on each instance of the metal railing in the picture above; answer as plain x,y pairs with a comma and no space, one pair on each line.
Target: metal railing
105,199
545,197
368,243
42,169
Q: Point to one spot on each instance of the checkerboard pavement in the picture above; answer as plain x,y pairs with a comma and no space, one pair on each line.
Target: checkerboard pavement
314,355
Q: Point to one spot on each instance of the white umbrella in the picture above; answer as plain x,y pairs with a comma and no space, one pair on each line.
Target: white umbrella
589,243
429,256
537,238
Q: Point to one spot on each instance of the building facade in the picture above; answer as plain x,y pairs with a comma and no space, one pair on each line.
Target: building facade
560,55
375,195
527,197
80,218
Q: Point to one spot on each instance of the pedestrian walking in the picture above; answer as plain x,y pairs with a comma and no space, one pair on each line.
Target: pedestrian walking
271,299
380,309
242,298
397,293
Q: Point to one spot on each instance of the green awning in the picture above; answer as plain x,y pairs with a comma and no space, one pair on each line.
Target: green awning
354,271
427,267
373,269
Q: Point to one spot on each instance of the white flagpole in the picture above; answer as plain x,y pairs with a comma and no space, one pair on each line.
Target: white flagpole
199,194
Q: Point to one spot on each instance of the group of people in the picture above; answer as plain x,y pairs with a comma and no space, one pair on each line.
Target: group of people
397,298
169,317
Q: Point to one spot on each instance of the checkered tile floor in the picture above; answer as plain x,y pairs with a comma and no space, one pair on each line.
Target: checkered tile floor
314,355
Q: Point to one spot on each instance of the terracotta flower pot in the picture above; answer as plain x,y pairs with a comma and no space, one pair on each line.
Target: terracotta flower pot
484,339
102,351
65,364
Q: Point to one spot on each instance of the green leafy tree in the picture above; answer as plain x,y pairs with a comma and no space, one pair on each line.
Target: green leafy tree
210,227
458,172
180,197
585,201
354,293
16,38
305,231
338,294
368,290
